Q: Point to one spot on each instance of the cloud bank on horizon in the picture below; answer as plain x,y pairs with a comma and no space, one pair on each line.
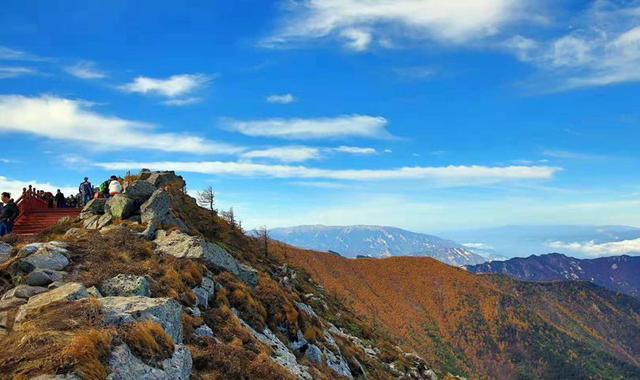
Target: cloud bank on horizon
410,106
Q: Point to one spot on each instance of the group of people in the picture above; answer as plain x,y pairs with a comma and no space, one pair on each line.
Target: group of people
9,211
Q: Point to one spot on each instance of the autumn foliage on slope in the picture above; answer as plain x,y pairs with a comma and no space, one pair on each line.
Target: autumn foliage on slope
486,327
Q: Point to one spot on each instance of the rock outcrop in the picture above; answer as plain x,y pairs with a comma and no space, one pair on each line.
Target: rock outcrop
68,292
165,311
125,285
126,366
181,245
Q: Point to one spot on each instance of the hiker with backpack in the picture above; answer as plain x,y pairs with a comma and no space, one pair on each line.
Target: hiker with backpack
86,191
115,187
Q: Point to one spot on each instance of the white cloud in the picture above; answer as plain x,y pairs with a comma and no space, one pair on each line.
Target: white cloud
474,174
281,99
182,101
360,20
15,71
285,154
478,245
564,154
9,54
85,70
354,150
602,49
73,120
172,87
318,128
15,187
357,39
592,248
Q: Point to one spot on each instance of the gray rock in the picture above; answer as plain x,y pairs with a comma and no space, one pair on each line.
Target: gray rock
166,178
30,249
165,311
181,245
314,353
337,363
202,297
280,352
68,292
75,232
120,206
94,207
306,309
43,277
156,213
124,365
91,222
5,252
48,259
126,285
10,303
104,221
140,190
94,292
204,331
24,291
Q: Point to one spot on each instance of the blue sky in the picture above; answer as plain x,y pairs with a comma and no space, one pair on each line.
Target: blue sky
425,115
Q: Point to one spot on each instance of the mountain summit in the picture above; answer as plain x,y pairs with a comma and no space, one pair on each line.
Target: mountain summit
375,241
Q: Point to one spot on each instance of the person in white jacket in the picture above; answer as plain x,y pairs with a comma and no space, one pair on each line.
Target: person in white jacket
115,187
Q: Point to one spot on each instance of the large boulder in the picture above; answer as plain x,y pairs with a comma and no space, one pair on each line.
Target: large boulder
126,285
163,179
140,190
5,252
181,245
156,213
165,311
43,277
94,207
68,292
205,292
125,365
120,206
51,255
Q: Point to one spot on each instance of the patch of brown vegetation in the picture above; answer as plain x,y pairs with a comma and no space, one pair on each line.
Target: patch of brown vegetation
239,296
148,341
63,337
223,361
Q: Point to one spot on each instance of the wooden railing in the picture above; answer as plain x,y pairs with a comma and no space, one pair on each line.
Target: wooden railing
31,199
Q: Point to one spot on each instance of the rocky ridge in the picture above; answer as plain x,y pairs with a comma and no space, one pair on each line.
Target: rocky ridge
147,285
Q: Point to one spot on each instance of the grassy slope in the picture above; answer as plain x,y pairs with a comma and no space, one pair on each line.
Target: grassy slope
487,327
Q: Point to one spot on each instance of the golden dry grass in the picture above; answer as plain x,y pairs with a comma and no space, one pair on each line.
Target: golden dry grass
148,340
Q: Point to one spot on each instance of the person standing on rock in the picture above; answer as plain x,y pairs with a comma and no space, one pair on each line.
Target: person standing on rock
61,201
86,191
115,187
8,215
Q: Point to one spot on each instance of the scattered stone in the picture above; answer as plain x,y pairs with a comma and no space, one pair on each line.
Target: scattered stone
165,311
68,292
56,285
306,309
337,363
120,206
30,249
24,291
202,297
156,213
43,277
204,331
194,311
5,252
140,190
94,292
181,245
126,285
74,232
125,365
91,222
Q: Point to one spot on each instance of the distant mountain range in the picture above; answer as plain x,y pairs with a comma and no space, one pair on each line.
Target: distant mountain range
522,241
617,273
376,242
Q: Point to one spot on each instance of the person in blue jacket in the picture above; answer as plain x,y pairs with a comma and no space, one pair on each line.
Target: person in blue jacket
86,190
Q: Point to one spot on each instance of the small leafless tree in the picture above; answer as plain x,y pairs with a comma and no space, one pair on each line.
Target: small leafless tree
206,198
263,235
